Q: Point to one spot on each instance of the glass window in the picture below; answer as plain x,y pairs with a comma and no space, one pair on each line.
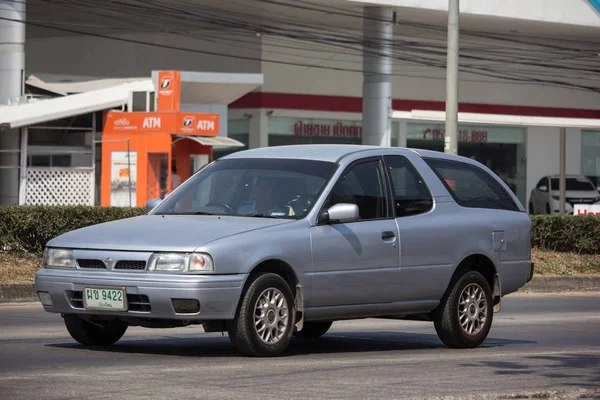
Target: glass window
590,155
362,185
503,149
63,160
411,194
471,186
39,161
269,188
542,182
575,184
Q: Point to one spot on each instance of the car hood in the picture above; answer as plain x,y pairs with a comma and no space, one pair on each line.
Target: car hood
160,233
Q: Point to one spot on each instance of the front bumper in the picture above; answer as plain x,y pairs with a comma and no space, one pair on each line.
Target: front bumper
148,295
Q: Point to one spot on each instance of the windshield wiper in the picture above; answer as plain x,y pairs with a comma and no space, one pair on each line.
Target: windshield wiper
191,213
258,215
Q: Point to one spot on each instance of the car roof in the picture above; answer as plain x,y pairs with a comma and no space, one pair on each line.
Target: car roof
329,152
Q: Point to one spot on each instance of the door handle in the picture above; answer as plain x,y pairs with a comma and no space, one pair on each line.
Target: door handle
387,235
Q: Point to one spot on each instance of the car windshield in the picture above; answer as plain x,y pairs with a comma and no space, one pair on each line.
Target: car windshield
267,188
575,184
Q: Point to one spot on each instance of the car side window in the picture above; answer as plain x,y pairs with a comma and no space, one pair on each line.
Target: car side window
472,186
362,184
542,182
411,194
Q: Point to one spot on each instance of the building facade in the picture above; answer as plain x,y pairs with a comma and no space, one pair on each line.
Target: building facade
314,59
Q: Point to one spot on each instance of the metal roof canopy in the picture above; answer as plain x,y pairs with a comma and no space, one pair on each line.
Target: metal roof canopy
499,119
512,120
21,115
214,87
217,142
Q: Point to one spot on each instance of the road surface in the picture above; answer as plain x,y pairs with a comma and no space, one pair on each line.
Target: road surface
538,344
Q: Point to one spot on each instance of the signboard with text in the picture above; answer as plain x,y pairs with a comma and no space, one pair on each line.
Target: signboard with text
146,122
466,133
586,209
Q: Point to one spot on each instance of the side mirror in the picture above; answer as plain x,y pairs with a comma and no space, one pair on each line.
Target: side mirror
342,212
543,188
150,204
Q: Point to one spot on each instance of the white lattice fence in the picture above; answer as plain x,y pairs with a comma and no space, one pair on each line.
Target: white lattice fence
60,186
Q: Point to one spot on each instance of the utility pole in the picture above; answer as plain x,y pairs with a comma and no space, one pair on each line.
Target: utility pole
451,137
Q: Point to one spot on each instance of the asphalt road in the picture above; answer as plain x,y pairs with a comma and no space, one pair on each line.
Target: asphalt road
538,344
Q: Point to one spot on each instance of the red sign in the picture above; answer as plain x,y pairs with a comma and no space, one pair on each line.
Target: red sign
463,136
168,91
327,130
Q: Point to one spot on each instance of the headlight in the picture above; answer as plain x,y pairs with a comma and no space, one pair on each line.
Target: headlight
180,262
59,258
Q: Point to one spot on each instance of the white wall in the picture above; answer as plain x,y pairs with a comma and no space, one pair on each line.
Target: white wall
99,57
472,88
543,154
578,12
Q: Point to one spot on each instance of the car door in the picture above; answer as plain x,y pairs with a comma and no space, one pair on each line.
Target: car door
423,260
357,262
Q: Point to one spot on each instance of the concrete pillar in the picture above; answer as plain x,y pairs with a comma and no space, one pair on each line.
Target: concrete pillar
377,75
258,134
12,66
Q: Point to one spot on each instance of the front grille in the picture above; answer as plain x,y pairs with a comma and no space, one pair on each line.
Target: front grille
573,200
135,302
94,264
131,265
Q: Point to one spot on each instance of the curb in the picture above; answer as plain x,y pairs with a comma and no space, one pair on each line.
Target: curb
24,292
547,284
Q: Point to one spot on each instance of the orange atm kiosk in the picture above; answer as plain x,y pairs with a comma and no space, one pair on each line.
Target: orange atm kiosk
140,149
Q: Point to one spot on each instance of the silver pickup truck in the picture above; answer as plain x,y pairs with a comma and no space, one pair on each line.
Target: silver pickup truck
277,242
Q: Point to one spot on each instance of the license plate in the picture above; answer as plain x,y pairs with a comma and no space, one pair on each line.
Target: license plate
104,299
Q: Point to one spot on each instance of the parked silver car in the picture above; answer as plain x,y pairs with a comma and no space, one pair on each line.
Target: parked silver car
281,241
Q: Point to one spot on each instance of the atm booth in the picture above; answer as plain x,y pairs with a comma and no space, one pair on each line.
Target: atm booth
140,149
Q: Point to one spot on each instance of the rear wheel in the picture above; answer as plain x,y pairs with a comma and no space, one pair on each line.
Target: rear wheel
265,319
464,316
90,333
313,329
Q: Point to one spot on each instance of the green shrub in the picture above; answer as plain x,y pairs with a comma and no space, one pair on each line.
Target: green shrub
577,234
28,228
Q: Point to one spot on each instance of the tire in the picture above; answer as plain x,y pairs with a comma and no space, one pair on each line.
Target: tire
272,336
447,318
88,333
548,209
531,212
313,329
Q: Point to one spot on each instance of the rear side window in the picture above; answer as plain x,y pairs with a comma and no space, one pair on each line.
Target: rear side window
411,195
471,186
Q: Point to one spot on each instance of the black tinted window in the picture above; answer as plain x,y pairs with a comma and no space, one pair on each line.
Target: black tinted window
411,195
542,182
471,186
362,185
575,184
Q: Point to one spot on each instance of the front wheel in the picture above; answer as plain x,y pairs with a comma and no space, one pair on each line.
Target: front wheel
265,319
464,316
90,333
